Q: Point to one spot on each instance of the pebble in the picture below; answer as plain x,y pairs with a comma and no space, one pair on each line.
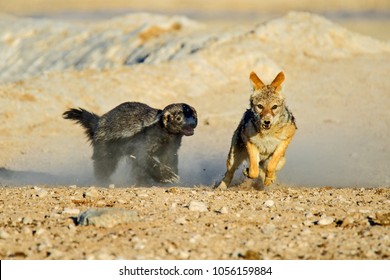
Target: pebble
4,234
42,193
184,254
91,192
55,254
26,231
40,231
107,217
268,228
100,203
269,203
71,211
181,221
197,206
325,221
309,215
111,186
224,210
27,220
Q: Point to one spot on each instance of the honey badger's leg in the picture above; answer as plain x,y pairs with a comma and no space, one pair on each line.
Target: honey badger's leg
148,164
236,156
105,160
169,155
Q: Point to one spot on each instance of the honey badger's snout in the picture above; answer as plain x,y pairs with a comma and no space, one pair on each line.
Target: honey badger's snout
191,120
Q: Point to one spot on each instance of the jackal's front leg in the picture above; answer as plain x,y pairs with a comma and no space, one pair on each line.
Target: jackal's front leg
275,163
253,156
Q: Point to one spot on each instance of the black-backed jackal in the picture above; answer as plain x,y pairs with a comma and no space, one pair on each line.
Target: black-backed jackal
263,135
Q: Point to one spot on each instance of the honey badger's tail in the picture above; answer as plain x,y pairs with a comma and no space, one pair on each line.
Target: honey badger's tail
87,120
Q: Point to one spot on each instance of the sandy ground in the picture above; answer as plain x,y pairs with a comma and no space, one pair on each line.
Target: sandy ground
331,200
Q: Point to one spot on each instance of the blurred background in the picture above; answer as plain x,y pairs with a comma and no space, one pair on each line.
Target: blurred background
96,54
369,17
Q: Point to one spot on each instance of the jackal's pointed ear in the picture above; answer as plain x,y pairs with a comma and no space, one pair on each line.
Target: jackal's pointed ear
276,83
255,81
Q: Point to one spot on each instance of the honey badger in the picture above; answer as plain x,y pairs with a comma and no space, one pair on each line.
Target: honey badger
149,138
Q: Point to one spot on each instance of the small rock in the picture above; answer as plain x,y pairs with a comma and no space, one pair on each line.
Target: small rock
194,239
100,203
121,201
269,203
268,229
382,218
27,220
197,206
181,221
73,187
91,192
138,243
39,231
348,221
142,195
223,210
250,243
251,255
55,254
42,193
107,217
184,254
4,234
71,211
309,215
325,221
111,186
26,231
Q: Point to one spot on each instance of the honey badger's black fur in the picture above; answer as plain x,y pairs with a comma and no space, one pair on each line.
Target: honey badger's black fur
149,137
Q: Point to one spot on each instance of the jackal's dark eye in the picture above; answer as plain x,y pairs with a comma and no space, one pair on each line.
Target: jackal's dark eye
260,107
274,107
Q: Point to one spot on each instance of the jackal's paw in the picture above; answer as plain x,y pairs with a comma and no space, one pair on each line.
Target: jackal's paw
269,180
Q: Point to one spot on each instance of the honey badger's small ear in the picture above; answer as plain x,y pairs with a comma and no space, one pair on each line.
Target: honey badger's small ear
279,79
255,81
166,117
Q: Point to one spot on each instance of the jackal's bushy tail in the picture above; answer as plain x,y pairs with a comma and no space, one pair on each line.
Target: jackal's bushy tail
87,120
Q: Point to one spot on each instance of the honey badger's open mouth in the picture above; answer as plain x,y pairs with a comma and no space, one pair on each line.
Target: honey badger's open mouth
188,131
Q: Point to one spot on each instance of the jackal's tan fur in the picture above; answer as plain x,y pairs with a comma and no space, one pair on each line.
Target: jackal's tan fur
263,135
